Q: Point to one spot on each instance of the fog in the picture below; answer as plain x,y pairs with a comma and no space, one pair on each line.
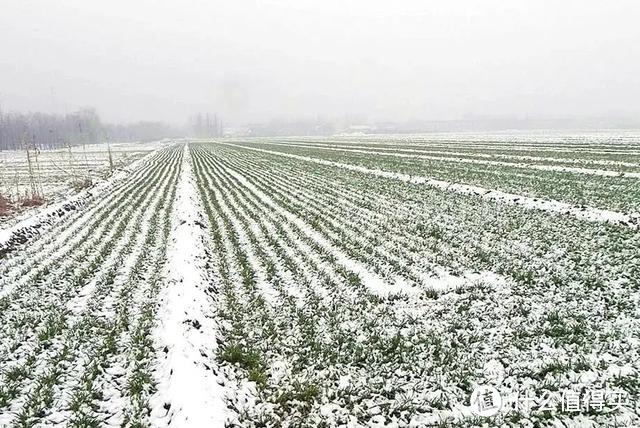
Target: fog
254,61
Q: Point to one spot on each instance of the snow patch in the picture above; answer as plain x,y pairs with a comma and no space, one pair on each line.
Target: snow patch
189,384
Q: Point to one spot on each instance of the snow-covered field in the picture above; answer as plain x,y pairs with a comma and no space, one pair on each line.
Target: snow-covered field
60,173
345,281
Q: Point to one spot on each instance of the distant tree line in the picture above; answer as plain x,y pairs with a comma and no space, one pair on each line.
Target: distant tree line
205,125
48,131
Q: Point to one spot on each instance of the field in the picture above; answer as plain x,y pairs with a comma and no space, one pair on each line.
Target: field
344,281
57,174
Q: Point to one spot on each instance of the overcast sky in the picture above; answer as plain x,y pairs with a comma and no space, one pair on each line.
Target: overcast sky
370,59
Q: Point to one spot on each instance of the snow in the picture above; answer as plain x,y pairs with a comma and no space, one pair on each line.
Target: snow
556,168
440,151
189,393
35,222
586,213
488,323
369,278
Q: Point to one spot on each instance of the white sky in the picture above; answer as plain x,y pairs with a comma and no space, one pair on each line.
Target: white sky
372,59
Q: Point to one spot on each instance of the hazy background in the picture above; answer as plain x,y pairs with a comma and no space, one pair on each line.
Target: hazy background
252,61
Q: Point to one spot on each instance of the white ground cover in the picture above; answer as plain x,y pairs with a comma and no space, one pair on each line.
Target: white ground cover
589,213
189,393
56,173
270,283
421,155
78,304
